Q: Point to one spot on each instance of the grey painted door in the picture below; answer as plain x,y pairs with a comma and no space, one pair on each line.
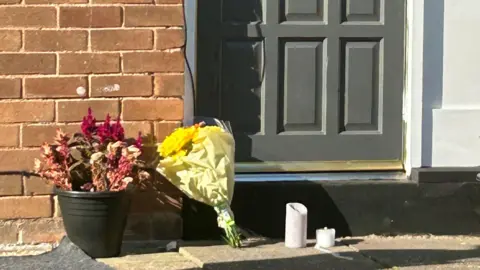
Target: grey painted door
304,80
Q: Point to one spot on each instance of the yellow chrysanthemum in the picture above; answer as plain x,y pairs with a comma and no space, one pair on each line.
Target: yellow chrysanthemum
179,142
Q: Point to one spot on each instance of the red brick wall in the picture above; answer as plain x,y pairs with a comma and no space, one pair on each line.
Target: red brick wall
127,55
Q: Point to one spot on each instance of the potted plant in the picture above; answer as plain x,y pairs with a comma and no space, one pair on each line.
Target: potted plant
93,173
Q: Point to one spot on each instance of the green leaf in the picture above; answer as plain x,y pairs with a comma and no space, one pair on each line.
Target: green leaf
76,139
75,165
76,154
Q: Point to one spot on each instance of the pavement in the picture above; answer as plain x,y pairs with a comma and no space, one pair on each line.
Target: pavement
371,252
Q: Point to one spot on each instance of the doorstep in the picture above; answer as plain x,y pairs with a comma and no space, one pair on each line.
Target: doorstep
352,207
272,255
371,252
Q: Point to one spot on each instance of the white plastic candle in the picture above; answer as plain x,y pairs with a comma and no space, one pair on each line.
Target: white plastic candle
325,238
296,225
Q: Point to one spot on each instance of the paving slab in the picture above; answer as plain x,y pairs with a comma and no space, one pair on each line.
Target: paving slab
157,261
420,252
65,256
268,255
149,255
24,250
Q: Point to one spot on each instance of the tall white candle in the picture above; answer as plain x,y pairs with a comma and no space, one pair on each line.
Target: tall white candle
296,225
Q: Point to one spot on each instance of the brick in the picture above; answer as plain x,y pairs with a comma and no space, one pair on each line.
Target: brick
75,110
16,63
162,225
121,86
138,227
111,40
12,134
153,62
149,155
55,1
170,38
57,211
54,87
90,17
156,196
37,186
166,225
168,1
18,159
44,230
54,40
8,232
153,16
10,88
25,207
36,135
132,129
28,16
169,85
10,40
123,1
10,185
10,1
84,63
147,202
26,111
149,109
163,129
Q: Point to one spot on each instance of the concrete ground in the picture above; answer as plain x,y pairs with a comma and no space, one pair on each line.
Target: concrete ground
372,252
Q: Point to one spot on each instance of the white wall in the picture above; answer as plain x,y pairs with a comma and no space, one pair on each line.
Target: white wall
443,84
413,106
456,116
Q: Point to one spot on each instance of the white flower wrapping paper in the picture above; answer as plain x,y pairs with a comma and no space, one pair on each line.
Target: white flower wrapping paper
207,173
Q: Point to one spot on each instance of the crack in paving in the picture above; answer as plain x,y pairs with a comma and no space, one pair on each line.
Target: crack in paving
365,255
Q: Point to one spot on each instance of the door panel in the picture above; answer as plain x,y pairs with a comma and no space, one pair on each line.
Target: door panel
310,80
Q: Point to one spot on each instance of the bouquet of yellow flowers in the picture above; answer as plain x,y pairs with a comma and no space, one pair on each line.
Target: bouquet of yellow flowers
200,161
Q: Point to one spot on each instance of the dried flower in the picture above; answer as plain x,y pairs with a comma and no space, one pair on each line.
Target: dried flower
98,159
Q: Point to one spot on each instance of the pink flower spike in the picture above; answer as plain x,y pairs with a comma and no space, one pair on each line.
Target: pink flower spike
118,133
89,124
104,131
139,141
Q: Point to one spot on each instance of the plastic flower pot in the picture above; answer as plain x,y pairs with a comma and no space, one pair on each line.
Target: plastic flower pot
95,221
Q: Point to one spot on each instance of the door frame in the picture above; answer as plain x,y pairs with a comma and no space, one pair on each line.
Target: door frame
412,90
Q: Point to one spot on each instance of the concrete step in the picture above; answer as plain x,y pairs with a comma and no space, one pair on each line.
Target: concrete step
352,207
372,252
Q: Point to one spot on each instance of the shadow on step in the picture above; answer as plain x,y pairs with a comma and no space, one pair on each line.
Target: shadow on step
353,208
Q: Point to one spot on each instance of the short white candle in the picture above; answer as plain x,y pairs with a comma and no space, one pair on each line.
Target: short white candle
325,238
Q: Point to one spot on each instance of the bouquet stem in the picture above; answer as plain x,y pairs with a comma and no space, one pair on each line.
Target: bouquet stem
227,223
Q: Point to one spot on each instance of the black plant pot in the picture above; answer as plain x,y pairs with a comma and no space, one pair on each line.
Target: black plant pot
95,221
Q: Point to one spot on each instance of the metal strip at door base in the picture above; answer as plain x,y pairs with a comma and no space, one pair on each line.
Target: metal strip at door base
319,166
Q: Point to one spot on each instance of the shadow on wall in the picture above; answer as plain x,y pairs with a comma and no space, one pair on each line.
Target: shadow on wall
156,203
432,72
